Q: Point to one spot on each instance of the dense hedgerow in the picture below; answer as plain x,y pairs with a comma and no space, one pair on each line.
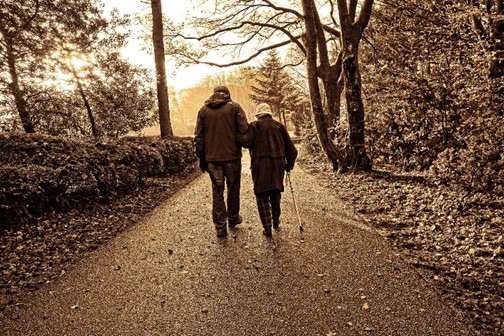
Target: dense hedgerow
431,105
41,173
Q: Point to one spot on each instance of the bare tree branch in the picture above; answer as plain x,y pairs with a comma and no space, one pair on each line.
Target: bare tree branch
251,57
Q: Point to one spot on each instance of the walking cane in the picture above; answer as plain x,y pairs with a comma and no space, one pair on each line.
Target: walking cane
295,205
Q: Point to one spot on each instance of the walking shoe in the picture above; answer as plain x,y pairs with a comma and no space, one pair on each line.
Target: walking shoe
276,225
267,232
221,233
232,224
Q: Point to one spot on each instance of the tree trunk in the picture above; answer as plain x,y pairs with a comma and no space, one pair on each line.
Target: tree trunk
16,91
355,108
161,81
86,102
351,33
320,119
333,85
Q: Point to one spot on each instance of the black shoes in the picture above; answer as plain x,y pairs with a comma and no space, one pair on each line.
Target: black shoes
221,233
232,224
267,231
276,225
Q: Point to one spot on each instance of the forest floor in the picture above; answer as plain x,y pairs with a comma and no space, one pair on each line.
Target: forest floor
454,243
452,238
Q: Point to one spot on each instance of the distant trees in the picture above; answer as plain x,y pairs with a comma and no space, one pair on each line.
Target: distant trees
61,71
188,101
272,85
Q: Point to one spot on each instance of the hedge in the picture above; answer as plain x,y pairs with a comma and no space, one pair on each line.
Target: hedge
41,173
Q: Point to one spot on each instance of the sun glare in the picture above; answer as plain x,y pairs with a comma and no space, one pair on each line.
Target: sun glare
72,65
77,62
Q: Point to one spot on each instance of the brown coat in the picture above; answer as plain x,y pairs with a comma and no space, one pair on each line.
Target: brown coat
219,121
272,152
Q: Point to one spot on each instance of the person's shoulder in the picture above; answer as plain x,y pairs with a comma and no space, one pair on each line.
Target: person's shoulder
278,123
234,104
203,109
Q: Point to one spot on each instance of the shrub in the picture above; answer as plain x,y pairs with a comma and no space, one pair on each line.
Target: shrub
44,173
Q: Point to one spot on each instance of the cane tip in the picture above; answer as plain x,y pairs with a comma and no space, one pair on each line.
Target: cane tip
301,229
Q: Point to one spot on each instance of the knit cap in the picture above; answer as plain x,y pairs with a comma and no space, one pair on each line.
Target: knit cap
261,109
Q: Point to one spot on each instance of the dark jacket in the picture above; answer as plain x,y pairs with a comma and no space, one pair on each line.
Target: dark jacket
272,153
219,121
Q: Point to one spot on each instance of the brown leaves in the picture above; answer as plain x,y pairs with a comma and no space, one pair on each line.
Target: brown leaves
34,254
457,242
42,173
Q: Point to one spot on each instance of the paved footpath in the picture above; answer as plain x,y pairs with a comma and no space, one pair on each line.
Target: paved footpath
170,275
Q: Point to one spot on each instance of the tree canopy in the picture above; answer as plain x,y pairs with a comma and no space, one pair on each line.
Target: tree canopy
61,70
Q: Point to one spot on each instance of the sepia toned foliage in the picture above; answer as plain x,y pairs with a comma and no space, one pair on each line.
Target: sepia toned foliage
61,71
42,173
431,102
28,40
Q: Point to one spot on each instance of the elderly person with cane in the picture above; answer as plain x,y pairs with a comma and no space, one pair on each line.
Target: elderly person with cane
272,153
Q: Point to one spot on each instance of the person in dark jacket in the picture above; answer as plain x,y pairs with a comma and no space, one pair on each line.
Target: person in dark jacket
219,122
272,153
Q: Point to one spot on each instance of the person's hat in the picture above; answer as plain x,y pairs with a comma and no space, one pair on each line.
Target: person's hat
221,89
261,109
222,92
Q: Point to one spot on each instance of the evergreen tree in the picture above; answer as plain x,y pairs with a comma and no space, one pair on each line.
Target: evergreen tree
274,87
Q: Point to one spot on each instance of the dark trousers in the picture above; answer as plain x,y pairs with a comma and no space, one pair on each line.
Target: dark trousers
225,174
268,204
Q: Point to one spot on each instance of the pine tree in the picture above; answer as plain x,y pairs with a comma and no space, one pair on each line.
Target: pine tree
274,87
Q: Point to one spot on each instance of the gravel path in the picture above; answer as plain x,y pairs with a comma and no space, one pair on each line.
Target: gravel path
170,275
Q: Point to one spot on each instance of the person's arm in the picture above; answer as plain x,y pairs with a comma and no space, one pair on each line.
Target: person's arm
247,139
290,151
241,120
199,140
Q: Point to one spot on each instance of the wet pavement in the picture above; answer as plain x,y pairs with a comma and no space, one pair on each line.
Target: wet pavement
170,275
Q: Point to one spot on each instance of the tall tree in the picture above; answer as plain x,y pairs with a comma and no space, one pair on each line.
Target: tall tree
352,28
161,81
15,21
345,66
